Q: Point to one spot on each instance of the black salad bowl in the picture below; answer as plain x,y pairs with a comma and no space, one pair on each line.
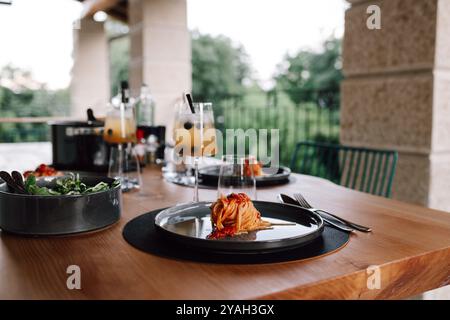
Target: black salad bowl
34,215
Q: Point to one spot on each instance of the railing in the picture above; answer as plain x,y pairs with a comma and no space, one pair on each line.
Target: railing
26,129
313,121
307,121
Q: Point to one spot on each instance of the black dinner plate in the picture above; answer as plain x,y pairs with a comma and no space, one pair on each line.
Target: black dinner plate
210,176
191,224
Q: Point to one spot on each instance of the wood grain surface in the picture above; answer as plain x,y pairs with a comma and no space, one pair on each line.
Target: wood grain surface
410,245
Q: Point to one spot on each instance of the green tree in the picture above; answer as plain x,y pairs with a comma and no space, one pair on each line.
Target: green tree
119,61
27,98
219,68
313,76
119,53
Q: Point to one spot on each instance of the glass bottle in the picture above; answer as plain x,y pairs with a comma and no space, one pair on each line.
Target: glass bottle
146,108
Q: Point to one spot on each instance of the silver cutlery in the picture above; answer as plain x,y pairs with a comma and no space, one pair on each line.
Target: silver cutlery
16,185
288,200
305,204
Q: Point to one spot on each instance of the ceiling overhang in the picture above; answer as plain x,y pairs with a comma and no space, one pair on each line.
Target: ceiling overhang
116,8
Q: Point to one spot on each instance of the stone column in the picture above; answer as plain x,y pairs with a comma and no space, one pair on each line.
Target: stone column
90,85
396,92
160,52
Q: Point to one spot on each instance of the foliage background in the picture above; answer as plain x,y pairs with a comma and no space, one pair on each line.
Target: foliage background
25,100
306,86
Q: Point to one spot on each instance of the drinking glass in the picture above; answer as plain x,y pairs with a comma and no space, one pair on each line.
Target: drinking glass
120,125
237,176
194,136
120,133
124,166
209,141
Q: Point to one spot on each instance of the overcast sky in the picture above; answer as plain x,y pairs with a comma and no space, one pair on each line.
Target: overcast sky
37,34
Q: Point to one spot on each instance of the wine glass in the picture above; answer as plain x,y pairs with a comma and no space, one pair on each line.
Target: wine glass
209,139
124,166
194,136
237,176
120,133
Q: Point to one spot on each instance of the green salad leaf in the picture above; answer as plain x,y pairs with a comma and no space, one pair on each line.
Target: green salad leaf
31,181
70,185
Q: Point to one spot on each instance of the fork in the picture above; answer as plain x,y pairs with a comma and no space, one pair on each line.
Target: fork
283,198
305,204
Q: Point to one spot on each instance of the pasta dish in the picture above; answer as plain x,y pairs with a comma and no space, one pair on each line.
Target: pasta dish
235,214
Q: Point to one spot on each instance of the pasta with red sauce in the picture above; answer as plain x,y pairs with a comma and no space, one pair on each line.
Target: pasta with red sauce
235,214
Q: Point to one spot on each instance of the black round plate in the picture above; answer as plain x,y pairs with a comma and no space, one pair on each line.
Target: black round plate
210,176
190,224
142,234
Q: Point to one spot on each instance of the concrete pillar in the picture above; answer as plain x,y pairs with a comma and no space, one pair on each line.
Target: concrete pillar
90,85
160,52
396,93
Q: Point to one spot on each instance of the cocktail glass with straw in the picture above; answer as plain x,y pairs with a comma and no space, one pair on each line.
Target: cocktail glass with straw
120,133
192,135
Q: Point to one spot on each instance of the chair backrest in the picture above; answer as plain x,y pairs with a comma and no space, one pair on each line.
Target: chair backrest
363,169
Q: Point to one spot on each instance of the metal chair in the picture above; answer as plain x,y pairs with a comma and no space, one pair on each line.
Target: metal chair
367,170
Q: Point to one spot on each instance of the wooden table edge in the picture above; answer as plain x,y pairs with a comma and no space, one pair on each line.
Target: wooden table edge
403,277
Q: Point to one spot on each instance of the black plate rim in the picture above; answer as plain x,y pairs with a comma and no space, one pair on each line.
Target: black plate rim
331,241
276,177
224,245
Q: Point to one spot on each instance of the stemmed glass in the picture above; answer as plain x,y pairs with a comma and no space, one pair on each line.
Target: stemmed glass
194,136
120,133
237,176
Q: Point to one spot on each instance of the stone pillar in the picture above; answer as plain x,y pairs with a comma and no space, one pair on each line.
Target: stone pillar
90,85
160,52
396,92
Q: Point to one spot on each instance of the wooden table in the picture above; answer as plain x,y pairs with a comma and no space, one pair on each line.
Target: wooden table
410,244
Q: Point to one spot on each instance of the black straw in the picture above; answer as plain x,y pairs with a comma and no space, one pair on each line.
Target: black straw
190,102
